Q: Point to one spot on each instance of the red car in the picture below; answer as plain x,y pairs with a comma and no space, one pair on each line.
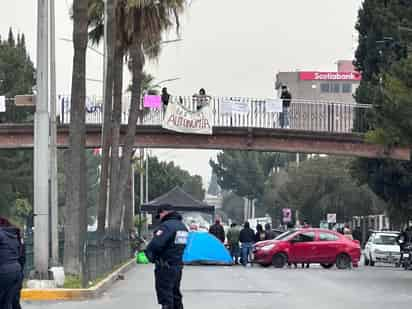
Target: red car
308,246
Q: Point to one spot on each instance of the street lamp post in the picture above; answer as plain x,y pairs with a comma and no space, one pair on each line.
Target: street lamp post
41,145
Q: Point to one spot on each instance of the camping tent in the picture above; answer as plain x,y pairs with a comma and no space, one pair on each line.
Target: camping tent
204,248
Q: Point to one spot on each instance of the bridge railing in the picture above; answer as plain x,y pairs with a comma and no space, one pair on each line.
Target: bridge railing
305,115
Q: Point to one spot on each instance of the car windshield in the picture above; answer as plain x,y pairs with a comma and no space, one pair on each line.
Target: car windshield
285,235
385,240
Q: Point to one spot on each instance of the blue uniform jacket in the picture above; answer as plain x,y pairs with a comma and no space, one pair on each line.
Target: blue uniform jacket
169,241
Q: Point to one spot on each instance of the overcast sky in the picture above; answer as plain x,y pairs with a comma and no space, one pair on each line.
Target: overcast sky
229,47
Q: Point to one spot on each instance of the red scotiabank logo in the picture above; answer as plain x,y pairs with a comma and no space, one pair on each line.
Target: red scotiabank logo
353,76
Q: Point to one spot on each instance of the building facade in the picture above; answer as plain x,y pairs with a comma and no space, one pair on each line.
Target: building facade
338,86
322,101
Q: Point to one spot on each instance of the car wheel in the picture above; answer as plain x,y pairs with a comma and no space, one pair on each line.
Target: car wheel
366,261
343,261
279,260
327,266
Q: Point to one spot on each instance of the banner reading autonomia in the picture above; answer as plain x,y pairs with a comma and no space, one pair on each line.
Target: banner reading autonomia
180,119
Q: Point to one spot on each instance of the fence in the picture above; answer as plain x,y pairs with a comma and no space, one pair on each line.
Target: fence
102,256
305,115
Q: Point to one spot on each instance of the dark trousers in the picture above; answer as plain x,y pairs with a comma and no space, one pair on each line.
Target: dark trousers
235,252
168,279
10,285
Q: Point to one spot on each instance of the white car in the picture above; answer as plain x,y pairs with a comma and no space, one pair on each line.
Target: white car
382,247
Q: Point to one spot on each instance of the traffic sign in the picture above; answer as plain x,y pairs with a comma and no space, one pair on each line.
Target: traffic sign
331,218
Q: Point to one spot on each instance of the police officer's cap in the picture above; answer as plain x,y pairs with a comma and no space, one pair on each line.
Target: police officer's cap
163,207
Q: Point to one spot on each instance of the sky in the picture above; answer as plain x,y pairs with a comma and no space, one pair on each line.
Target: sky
228,47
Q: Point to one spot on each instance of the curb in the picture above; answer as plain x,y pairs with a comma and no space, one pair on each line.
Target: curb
76,294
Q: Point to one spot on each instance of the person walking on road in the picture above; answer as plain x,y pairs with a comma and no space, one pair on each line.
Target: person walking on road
218,231
260,233
269,235
166,252
11,265
233,236
347,232
246,238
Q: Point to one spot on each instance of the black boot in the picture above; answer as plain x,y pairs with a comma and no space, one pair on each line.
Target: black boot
167,307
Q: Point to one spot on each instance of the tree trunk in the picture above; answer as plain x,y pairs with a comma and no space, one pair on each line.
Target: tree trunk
128,205
115,208
137,58
110,14
76,198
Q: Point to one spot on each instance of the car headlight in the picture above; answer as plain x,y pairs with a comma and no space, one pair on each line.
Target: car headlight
377,251
267,248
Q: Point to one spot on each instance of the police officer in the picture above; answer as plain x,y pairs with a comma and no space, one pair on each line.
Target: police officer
11,270
166,251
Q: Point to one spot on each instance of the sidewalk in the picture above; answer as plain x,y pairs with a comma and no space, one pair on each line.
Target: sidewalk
76,294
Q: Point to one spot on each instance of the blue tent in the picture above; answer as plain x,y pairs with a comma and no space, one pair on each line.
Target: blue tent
204,248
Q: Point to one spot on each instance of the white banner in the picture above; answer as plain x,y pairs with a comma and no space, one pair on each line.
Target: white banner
2,104
235,106
180,119
274,106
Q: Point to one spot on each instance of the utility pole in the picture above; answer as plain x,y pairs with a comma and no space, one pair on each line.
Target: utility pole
53,142
41,145
147,176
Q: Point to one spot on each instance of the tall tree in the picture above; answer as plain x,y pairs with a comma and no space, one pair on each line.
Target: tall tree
244,172
16,182
76,197
138,31
164,176
320,186
386,83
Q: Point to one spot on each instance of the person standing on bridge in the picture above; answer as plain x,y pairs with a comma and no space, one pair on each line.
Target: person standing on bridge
165,98
166,252
286,97
201,99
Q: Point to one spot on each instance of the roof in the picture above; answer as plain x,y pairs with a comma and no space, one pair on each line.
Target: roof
180,200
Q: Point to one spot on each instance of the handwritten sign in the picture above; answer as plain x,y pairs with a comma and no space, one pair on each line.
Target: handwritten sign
235,106
274,106
182,120
152,101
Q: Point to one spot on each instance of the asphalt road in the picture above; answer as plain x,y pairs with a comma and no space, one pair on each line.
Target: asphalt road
263,288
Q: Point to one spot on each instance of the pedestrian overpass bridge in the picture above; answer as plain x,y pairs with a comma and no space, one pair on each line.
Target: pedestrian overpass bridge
324,127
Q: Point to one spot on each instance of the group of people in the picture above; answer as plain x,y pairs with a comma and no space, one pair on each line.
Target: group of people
12,260
240,240
200,99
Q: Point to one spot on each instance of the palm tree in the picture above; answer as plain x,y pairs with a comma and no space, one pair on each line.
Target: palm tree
138,32
76,195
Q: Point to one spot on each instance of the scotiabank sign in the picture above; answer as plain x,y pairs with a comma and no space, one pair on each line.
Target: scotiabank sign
354,76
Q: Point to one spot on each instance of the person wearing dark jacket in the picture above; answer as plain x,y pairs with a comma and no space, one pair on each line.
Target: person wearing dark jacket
218,231
166,251
11,275
246,238
165,98
269,235
286,97
260,233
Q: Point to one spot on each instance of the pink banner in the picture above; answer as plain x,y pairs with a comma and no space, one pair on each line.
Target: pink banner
152,101
350,76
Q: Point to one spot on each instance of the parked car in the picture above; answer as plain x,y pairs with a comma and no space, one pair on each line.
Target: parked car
308,246
382,247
